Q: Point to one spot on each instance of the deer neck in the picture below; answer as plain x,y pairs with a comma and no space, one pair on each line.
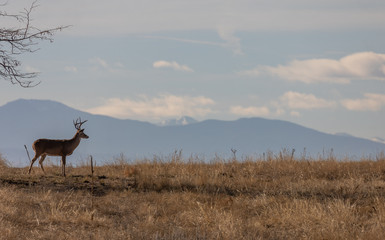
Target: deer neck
75,141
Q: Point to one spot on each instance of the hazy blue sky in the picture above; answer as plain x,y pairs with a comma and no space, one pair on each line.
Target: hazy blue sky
317,63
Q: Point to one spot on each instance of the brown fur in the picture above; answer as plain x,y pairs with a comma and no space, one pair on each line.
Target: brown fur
51,147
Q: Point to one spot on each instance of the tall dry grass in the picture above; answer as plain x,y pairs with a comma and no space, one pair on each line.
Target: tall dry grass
3,162
175,198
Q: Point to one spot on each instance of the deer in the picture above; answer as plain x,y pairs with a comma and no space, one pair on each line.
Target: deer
58,147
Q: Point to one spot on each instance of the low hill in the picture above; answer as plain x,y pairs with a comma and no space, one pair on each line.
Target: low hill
23,121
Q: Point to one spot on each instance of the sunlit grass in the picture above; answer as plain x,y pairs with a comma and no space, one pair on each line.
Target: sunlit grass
279,197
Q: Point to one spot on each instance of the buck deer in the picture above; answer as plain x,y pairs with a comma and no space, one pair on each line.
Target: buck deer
53,147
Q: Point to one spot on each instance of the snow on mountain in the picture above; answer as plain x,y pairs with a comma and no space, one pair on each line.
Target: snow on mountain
182,121
23,121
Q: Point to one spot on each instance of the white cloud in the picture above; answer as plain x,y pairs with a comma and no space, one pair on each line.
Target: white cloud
357,66
71,69
173,65
164,106
250,111
290,102
102,64
232,42
371,102
296,100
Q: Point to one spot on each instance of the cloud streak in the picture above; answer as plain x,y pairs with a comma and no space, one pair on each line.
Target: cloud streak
250,111
156,108
290,102
371,102
185,40
231,42
122,17
101,64
173,65
357,66
296,100
71,69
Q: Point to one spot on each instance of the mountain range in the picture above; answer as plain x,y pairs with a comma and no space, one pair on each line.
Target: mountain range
23,121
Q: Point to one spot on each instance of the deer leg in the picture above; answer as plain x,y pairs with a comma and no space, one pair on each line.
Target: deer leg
63,160
41,162
32,162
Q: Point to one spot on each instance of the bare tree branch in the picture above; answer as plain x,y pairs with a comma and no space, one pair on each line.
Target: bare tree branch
18,40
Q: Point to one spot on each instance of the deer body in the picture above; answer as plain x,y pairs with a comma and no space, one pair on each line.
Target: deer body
52,147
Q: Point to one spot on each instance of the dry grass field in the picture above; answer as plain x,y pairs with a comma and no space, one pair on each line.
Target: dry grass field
174,198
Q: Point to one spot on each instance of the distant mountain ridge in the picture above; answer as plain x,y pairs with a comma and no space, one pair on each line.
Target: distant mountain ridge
23,121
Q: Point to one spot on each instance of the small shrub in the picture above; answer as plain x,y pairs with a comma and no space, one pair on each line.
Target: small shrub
3,162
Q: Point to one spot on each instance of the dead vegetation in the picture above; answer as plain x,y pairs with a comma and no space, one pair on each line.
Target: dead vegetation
174,198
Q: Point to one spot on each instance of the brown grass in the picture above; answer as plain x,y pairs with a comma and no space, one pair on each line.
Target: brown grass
281,198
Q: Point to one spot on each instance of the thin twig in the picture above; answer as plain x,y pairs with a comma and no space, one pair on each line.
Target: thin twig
92,188
19,40
26,149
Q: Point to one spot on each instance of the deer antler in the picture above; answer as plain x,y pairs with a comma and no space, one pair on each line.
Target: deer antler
78,124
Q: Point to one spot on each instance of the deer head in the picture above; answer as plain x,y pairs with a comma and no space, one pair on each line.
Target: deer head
78,124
